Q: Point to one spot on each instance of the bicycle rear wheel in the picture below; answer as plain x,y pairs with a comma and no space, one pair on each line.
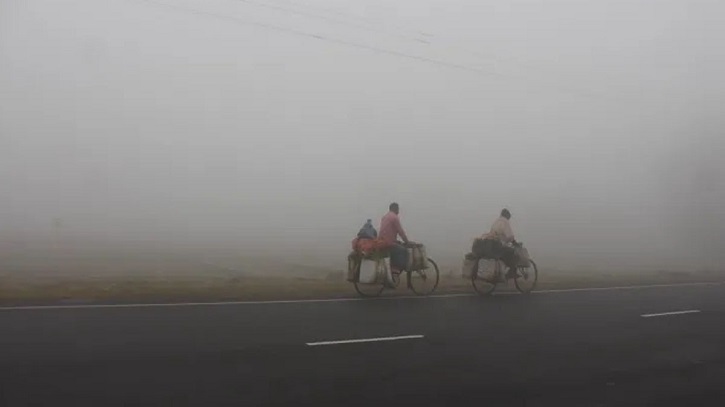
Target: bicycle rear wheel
485,274
367,290
424,282
526,278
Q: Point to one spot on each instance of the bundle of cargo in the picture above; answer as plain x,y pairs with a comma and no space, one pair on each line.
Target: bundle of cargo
522,257
367,262
469,265
417,257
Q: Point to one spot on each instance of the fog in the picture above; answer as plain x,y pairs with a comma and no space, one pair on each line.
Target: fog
277,123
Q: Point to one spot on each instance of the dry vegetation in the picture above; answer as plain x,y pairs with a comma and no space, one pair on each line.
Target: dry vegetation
134,275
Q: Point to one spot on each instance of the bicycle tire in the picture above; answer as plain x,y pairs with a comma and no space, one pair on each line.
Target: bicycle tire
435,285
533,286
483,291
371,291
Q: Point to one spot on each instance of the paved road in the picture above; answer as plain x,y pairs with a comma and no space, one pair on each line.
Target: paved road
578,348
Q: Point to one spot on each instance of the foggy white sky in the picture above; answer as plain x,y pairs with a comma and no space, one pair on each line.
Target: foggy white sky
599,124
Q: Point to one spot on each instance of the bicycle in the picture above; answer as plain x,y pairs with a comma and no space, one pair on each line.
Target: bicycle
422,279
525,278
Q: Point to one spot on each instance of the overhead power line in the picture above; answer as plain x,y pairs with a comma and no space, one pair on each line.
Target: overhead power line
379,50
365,26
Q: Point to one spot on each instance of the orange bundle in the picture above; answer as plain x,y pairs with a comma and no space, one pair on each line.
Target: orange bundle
368,246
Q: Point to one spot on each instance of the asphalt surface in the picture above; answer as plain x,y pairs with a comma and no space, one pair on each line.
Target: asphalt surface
578,348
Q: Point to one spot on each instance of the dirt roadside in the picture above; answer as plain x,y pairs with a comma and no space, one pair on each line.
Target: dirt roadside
146,289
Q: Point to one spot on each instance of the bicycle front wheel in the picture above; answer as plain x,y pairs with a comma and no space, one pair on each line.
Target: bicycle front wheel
526,278
424,282
485,276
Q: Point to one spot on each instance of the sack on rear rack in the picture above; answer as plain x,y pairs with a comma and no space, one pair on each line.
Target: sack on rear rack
487,248
469,263
522,257
373,270
488,269
368,271
353,260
